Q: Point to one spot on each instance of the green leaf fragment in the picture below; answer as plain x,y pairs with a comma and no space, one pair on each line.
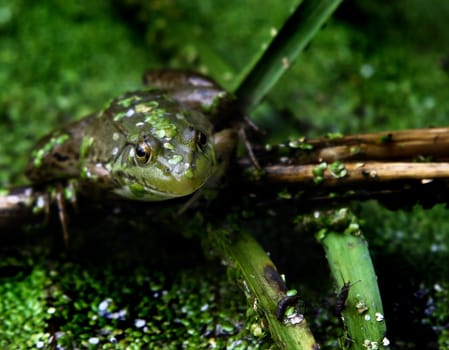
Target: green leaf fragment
4,192
355,150
127,102
318,173
338,169
300,144
291,292
334,135
284,195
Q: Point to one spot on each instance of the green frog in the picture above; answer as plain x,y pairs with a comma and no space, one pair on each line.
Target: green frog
163,142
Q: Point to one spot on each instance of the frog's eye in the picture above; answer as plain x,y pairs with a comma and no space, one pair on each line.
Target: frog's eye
143,153
201,139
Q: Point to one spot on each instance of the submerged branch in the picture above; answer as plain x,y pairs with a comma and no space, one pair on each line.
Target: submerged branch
358,305
266,288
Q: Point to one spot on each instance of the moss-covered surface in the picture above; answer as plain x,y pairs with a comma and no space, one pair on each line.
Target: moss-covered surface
374,67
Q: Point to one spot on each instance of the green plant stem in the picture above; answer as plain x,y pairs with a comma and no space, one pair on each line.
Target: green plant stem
267,288
294,36
352,269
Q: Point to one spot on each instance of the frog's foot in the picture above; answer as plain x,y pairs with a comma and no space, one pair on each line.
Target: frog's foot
225,145
34,205
62,212
61,195
253,126
190,202
244,137
249,148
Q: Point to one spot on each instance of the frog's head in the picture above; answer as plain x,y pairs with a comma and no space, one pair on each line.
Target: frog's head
167,150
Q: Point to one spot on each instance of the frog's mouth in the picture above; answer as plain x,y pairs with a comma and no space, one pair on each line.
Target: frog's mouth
144,193
139,189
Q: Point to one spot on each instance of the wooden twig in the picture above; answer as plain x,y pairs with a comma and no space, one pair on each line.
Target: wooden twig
356,173
23,205
411,145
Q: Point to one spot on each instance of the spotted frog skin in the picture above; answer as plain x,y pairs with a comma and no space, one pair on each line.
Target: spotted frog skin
154,144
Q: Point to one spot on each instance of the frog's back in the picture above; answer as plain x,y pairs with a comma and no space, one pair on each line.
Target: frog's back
57,155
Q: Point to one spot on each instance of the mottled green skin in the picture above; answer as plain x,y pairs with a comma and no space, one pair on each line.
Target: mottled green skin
103,152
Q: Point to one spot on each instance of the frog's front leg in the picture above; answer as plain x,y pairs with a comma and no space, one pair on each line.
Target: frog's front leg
57,155
62,211
225,145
